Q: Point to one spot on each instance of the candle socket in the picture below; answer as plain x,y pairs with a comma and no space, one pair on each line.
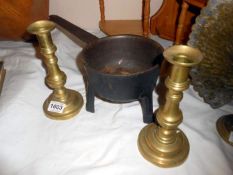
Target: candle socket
164,144
62,103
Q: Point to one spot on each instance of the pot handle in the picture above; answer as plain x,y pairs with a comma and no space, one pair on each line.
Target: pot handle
81,34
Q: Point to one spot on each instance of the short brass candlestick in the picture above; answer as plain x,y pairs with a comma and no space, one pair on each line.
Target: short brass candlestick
165,145
62,103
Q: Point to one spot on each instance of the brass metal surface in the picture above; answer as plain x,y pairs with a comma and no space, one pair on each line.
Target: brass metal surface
69,100
225,128
164,144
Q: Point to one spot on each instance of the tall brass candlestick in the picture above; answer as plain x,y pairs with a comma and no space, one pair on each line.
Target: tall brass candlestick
165,145
62,103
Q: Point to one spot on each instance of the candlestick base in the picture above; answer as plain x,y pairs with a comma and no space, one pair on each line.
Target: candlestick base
160,154
72,104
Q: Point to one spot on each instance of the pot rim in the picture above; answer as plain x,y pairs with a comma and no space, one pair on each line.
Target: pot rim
92,44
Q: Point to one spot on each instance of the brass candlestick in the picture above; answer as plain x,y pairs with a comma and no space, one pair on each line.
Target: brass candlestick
62,103
165,145
225,128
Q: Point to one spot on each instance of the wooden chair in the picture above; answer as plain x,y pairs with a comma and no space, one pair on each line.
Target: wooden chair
118,27
185,5
165,21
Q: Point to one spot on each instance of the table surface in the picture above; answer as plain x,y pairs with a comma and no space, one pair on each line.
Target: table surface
104,142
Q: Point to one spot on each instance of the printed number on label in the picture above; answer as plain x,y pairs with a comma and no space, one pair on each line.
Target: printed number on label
55,106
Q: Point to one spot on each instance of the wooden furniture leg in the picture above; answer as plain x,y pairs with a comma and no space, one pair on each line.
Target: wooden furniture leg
180,28
102,15
146,18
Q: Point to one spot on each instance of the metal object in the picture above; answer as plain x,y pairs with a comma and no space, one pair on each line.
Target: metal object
225,128
118,69
213,77
212,35
62,103
165,145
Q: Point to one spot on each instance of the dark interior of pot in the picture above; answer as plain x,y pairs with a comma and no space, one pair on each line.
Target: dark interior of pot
123,55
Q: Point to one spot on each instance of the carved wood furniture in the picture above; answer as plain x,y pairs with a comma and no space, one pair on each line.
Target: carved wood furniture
185,5
117,27
15,16
165,21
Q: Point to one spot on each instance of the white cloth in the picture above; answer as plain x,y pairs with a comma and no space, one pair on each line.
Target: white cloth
100,143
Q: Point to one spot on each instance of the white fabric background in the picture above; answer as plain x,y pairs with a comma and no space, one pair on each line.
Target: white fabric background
100,143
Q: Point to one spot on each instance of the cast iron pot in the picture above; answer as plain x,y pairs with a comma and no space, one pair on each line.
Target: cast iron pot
118,69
